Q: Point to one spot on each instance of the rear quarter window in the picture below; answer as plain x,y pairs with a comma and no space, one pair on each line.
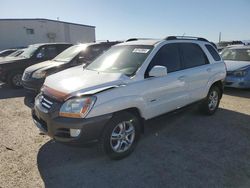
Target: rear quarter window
213,52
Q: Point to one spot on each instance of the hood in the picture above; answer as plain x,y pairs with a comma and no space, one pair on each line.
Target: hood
77,80
10,60
44,65
235,65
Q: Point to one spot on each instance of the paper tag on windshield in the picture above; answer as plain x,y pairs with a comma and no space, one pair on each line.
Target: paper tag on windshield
140,50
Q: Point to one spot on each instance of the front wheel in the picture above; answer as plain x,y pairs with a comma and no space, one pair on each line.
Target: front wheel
212,101
15,79
120,136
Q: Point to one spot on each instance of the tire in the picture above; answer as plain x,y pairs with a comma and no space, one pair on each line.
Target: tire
125,128
212,101
15,80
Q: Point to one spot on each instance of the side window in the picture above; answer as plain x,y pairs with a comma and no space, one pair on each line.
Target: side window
61,48
213,52
192,55
41,53
48,52
51,52
167,56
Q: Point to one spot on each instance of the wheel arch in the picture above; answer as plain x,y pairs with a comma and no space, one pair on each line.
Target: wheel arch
135,111
220,85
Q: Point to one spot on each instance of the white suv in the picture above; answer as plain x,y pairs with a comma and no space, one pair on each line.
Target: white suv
132,82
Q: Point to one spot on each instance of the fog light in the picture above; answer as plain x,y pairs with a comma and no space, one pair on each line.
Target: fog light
75,132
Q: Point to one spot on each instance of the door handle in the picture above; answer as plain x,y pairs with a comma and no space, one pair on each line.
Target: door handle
182,78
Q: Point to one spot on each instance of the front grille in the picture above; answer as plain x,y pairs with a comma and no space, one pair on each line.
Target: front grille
229,73
26,75
46,103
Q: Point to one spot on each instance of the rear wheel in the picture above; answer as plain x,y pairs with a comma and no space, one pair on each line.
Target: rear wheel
15,79
212,101
120,136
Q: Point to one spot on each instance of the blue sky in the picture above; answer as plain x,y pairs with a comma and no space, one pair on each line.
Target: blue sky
122,19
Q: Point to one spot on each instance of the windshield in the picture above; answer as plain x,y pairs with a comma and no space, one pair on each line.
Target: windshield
28,52
68,54
121,59
236,54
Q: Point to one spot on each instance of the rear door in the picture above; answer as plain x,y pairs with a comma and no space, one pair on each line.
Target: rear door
166,93
197,70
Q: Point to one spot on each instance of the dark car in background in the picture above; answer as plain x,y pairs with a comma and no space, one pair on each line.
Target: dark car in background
11,69
81,54
237,60
7,52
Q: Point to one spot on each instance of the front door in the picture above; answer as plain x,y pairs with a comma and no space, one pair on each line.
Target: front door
164,94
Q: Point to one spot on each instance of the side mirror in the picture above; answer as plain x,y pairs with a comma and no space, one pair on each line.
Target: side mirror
158,71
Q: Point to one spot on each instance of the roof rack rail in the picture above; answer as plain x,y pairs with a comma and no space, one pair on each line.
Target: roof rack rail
185,38
132,39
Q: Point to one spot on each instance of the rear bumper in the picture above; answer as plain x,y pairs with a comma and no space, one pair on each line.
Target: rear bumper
237,82
58,127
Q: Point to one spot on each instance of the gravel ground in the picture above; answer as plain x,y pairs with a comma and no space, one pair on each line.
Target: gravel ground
185,149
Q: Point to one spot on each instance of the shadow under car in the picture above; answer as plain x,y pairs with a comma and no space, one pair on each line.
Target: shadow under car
6,92
183,150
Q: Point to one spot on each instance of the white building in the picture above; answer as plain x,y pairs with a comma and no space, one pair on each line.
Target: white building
23,32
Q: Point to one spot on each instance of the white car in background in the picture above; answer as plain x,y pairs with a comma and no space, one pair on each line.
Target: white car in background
237,59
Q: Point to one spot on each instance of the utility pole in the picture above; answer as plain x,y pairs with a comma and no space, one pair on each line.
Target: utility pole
219,37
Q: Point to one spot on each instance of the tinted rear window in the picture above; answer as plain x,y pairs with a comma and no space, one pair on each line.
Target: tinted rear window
213,52
193,55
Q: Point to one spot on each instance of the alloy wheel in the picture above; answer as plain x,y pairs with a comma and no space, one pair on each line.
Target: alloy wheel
213,100
16,80
122,136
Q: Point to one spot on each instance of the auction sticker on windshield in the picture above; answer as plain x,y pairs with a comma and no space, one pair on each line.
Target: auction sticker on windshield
141,50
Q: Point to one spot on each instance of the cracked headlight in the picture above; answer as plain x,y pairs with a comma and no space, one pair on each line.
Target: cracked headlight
77,107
